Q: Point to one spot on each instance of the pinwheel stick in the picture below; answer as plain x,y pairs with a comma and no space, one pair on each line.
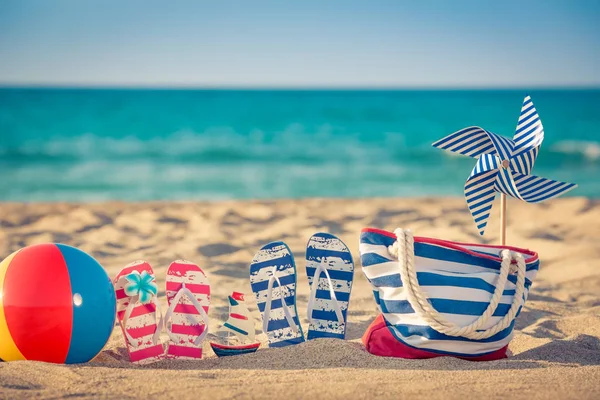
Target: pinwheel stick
503,218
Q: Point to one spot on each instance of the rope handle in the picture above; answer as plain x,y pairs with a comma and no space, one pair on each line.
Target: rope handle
403,250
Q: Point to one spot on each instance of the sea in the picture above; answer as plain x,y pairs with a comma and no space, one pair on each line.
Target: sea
186,144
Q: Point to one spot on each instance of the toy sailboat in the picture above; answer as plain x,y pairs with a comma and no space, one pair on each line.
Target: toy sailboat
237,332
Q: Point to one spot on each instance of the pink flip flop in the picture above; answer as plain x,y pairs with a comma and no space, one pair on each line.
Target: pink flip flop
186,320
138,312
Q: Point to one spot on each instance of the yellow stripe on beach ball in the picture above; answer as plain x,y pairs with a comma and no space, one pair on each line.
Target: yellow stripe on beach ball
8,349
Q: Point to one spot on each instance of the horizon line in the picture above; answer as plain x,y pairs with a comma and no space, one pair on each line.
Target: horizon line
75,86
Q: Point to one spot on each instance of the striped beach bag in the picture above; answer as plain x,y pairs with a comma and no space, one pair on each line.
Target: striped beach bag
442,298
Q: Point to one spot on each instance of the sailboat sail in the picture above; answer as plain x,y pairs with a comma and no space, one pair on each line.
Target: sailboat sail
236,336
239,323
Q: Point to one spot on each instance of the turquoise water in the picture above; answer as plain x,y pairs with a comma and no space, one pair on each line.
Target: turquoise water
92,145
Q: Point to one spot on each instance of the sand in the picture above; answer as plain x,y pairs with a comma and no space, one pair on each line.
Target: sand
556,349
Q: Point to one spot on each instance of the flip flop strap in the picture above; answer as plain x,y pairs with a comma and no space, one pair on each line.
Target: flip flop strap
203,315
286,311
313,292
133,301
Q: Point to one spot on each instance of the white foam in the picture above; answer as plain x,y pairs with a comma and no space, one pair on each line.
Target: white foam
588,149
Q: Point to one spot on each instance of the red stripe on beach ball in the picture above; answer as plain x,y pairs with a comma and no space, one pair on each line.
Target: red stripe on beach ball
38,303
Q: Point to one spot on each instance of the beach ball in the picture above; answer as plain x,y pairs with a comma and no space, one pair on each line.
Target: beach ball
57,304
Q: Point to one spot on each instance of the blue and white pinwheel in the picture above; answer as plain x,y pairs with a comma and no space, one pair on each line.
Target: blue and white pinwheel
503,165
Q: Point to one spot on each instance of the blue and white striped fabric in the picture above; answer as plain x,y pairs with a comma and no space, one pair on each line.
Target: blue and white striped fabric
503,164
330,256
459,280
276,260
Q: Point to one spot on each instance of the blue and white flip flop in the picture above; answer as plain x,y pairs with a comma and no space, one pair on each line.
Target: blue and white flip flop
328,259
273,278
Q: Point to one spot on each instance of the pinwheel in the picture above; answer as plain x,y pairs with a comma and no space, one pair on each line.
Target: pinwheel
503,166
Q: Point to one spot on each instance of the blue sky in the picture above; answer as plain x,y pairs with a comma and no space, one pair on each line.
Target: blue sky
459,43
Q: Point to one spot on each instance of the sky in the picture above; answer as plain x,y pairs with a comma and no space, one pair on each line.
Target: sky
376,43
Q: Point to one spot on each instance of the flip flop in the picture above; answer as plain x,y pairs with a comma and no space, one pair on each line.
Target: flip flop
329,260
273,278
186,320
138,312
